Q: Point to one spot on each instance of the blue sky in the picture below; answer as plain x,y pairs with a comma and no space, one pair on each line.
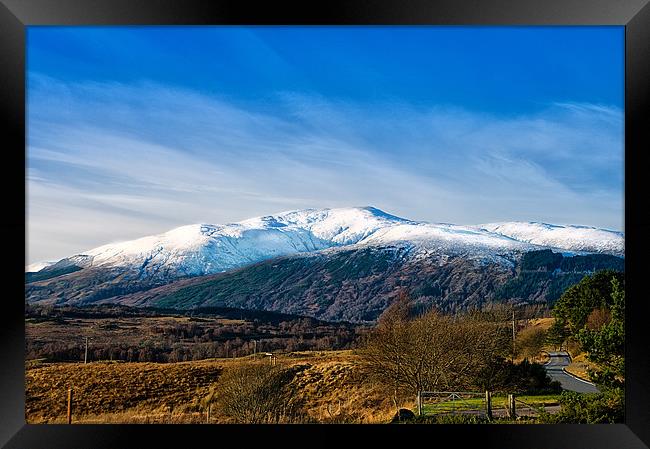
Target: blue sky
135,130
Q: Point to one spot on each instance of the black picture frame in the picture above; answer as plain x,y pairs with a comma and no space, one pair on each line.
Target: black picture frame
634,15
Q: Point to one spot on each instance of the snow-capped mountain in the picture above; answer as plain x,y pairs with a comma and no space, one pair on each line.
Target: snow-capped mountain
569,237
201,249
38,266
340,264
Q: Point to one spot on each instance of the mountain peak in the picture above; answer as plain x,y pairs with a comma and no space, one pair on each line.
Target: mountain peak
208,248
380,213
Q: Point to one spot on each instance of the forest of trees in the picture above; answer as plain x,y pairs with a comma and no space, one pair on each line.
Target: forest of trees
209,333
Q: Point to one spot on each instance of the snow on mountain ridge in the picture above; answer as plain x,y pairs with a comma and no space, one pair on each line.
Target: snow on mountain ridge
424,233
38,266
204,248
569,237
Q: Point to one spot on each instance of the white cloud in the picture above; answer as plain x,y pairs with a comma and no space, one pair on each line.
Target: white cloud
109,162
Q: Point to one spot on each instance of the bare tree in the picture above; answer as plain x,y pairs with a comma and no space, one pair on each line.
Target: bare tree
530,342
255,393
433,351
384,350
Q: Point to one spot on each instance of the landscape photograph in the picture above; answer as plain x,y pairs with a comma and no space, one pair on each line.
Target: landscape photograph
324,225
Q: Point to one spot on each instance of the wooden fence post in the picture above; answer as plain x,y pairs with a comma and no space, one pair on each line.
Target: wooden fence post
419,403
512,412
488,404
69,405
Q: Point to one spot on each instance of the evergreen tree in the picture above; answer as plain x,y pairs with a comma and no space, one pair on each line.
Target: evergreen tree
579,301
557,334
593,312
605,345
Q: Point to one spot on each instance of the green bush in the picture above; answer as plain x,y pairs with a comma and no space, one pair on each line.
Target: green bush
521,378
457,418
597,408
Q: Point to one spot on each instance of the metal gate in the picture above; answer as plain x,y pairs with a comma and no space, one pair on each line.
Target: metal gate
452,402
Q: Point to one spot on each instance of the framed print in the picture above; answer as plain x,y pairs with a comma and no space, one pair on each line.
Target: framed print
393,221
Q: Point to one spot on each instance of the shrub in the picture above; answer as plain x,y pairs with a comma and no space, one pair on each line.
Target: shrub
523,378
255,394
453,418
605,407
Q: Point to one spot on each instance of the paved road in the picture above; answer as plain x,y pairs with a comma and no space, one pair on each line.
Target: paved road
555,369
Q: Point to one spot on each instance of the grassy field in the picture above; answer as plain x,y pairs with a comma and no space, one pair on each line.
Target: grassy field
331,385
108,388
329,382
478,403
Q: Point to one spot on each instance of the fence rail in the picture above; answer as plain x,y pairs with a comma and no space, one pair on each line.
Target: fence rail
475,403
449,402
536,409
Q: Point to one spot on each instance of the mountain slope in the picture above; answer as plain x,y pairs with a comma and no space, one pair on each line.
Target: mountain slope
343,284
385,244
358,284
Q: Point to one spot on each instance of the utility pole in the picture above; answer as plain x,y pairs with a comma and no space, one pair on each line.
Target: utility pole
513,336
69,405
86,352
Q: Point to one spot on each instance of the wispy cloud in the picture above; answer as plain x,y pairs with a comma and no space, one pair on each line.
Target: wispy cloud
109,162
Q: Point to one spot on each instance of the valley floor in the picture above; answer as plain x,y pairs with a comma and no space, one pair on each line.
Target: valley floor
329,383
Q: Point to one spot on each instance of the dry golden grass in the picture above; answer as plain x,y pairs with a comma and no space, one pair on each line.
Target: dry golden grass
339,391
578,367
579,364
106,387
542,323
331,384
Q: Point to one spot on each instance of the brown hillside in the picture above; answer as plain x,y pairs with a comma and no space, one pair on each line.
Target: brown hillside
331,384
